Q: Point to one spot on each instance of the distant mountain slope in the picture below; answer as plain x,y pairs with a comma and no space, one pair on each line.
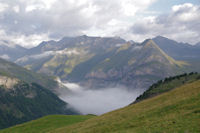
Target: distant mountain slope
197,44
21,102
136,65
179,51
59,58
47,123
11,52
174,111
101,61
13,70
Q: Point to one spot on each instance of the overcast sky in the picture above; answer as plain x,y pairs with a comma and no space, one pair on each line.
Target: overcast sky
28,22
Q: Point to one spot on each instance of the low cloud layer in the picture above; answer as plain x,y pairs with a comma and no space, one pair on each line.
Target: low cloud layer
98,101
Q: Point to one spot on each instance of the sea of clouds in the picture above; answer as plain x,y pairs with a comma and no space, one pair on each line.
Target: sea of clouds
98,101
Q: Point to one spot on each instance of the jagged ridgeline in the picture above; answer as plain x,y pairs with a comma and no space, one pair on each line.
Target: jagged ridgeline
101,61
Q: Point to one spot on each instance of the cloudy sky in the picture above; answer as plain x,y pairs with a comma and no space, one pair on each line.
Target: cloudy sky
28,22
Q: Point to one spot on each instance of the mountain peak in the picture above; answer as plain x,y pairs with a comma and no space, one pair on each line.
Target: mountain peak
84,36
164,39
157,53
160,37
150,43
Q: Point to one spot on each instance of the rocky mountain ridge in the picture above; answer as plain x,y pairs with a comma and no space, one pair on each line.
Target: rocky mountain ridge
102,61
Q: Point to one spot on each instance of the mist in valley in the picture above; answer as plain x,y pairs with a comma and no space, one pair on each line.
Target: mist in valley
98,101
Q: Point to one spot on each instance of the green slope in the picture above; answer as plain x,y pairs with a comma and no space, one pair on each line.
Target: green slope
174,111
168,84
47,123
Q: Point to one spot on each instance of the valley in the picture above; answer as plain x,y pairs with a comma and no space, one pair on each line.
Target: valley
99,66
108,71
175,110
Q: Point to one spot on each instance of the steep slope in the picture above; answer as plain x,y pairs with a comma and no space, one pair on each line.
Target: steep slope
174,111
11,52
47,123
179,51
59,58
134,65
100,61
21,102
177,110
168,84
13,70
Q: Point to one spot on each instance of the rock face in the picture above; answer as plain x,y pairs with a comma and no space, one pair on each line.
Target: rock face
133,65
8,82
12,70
96,61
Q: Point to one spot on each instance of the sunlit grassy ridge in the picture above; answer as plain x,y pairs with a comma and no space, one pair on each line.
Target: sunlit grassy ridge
174,111
168,84
47,123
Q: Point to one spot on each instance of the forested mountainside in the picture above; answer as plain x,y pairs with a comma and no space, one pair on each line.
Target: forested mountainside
21,101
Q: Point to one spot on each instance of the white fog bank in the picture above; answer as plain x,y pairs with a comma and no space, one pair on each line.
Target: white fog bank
98,101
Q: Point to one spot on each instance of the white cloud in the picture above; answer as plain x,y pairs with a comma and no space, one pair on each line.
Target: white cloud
103,99
3,7
5,56
176,8
55,19
181,24
186,12
16,9
26,41
131,7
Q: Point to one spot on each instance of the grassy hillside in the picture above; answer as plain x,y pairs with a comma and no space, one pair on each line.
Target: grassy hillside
168,84
174,111
47,123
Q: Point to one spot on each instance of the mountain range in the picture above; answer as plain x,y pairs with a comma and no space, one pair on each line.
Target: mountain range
102,61
29,90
